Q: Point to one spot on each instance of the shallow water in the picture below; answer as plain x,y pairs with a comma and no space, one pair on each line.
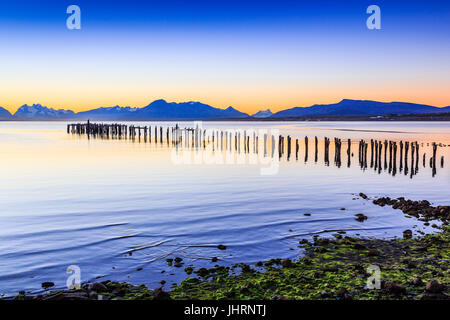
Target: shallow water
68,200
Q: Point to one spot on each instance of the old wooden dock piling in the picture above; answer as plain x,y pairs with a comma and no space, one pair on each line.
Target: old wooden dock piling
394,153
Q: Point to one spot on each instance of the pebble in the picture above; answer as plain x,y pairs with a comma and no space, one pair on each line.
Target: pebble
360,217
47,284
394,288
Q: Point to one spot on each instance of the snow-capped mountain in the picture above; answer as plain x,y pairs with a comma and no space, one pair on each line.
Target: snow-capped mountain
109,113
39,112
263,114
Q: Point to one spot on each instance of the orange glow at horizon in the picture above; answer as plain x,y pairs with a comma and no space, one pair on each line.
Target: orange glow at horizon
249,103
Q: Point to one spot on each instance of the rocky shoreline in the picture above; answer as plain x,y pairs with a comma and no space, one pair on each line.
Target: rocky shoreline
337,268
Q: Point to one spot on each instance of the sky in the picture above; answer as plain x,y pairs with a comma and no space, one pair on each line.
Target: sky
252,55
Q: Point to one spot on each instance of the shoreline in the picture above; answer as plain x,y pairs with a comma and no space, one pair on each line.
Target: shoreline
335,268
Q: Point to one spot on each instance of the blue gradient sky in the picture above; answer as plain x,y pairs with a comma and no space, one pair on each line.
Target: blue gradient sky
249,54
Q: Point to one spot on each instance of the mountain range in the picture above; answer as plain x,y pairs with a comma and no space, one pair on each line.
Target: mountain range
38,112
163,110
348,107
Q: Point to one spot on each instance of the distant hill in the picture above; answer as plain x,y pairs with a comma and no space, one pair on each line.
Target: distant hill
4,114
359,107
160,109
263,114
38,112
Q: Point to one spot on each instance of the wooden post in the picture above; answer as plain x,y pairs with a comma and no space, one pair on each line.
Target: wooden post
316,151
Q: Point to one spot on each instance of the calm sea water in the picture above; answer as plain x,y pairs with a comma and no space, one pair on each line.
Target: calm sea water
68,200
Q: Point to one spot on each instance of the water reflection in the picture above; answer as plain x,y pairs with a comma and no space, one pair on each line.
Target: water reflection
385,155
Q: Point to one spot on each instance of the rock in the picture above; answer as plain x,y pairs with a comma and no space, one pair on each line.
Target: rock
359,246
360,217
221,247
341,292
342,208
320,249
318,274
286,263
362,195
321,241
344,294
202,272
21,296
160,294
178,259
47,284
189,270
407,234
324,294
417,282
330,269
245,267
214,259
394,288
99,287
307,214
162,282
434,287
